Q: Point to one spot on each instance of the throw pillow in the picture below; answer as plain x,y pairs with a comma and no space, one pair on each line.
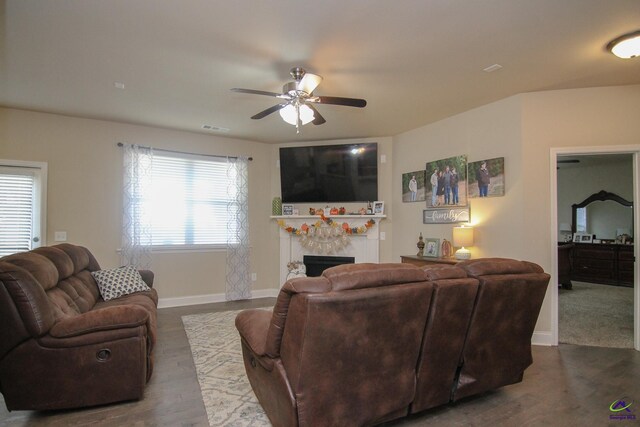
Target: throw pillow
116,282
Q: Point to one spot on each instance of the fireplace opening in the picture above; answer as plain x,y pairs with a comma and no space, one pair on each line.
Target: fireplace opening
317,264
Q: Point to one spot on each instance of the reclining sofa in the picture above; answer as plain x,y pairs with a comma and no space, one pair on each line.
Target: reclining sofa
368,343
61,345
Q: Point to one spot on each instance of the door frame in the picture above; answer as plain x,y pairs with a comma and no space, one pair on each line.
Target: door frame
634,150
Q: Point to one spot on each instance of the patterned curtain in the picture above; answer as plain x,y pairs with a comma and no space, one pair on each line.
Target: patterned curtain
136,221
238,284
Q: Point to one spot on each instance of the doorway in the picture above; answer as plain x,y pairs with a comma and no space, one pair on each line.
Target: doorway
563,228
23,195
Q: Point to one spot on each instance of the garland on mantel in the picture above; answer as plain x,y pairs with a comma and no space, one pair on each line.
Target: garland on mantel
325,235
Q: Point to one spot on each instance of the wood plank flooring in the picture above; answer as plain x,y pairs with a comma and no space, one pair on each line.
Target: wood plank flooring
566,386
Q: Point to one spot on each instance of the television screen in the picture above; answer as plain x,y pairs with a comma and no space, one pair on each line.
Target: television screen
329,173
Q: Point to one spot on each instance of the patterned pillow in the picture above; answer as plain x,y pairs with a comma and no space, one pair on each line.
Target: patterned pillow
117,282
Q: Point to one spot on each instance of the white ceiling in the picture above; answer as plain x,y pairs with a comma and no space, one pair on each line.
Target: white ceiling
415,62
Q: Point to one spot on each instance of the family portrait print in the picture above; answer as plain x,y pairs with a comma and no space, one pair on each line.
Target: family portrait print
413,186
447,182
486,178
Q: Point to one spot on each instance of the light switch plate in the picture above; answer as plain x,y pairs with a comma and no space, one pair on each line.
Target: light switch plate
60,236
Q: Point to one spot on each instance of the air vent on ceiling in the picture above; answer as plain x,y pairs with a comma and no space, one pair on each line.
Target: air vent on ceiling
214,128
492,68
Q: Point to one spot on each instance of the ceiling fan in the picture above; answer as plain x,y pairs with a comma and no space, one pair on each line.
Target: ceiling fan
297,107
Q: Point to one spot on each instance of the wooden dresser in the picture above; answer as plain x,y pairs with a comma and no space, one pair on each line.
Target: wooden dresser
610,264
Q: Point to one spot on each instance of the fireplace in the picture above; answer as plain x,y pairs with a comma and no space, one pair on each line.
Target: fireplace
317,264
361,248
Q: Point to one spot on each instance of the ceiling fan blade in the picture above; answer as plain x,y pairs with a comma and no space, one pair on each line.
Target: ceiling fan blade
268,111
317,117
309,82
256,92
336,100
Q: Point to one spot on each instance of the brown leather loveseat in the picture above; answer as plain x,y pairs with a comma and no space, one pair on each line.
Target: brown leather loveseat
368,343
61,344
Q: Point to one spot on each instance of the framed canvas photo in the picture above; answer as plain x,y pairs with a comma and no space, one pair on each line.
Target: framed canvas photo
582,238
378,208
485,178
287,209
446,182
432,247
413,186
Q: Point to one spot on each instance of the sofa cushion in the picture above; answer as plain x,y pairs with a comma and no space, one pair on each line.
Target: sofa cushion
116,282
443,271
40,267
59,258
81,257
107,318
368,275
494,266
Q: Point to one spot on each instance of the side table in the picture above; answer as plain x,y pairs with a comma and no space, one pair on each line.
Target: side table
425,260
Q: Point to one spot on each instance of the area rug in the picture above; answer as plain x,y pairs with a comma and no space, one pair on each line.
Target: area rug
217,354
596,315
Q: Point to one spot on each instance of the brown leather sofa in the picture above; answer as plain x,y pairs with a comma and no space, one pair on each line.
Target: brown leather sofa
61,345
368,343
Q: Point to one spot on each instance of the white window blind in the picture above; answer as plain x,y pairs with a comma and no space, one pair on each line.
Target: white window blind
189,201
19,209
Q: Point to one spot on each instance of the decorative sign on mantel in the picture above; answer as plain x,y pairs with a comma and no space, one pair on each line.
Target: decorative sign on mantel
445,215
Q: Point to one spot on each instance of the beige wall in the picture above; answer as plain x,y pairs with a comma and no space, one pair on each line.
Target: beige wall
85,175
522,129
567,118
487,132
84,191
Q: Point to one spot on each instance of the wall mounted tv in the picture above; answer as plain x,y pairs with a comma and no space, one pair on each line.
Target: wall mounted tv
329,173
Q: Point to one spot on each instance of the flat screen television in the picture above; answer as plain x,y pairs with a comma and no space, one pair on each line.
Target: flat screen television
329,173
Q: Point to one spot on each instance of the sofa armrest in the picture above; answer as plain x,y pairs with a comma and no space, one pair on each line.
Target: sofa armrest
115,317
147,277
253,326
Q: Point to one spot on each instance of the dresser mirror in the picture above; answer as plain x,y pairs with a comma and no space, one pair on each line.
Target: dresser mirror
605,215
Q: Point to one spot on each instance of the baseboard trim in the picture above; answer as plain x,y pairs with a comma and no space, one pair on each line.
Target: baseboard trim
542,338
210,298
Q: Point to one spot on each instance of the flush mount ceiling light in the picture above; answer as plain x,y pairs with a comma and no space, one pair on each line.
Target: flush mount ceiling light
626,46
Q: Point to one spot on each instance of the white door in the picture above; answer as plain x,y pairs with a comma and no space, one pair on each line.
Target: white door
22,206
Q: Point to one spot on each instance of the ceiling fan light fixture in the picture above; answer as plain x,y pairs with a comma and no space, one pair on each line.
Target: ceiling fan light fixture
290,115
626,46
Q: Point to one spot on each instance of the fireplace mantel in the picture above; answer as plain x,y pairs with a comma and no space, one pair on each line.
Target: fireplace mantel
336,217
363,247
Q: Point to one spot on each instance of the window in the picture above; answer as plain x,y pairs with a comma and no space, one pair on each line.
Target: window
189,201
22,202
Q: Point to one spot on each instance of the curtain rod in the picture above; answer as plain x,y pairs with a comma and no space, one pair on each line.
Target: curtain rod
120,144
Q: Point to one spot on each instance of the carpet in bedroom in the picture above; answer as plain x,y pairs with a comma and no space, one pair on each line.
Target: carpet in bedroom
596,315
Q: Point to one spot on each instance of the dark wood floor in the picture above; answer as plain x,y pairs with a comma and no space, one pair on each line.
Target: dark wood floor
566,386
